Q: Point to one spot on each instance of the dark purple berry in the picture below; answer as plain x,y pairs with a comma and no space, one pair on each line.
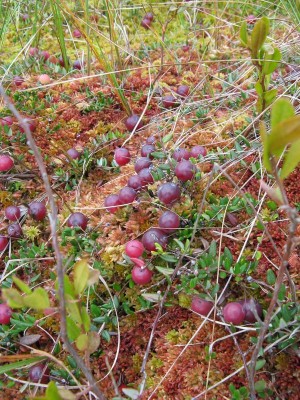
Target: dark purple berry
111,203
169,221
134,182
168,193
141,163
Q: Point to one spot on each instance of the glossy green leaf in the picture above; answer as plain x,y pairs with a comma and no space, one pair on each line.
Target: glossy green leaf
271,277
19,364
165,271
81,275
13,298
21,285
284,133
282,109
271,62
82,342
244,34
259,34
260,386
259,364
152,297
37,300
291,160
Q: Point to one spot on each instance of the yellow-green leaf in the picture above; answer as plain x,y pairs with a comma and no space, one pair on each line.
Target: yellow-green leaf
259,35
82,342
81,275
271,61
86,321
284,133
243,33
264,138
93,341
93,276
38,299
281,110
269,96
73,309
21,285
52,392
73,329
291,160
13,298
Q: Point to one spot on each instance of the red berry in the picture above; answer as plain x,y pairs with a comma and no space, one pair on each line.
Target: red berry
111,203
3,243
33,51
185,170
30,123
147,149
77,219
197,151
44,79
6,121
132,121
61,61
122,156
73,153
249,305
134,248
169,101
37,210
181,154
127,195
5,314
39,374
145,176
45,55
6,163
18,80
14,230
169,221
201,306
146,23
78,64
12,213
134,182
234,313
141,163
141,276
185,47
168,193
153,236
183,90
77,33
53,60
149,15
25,17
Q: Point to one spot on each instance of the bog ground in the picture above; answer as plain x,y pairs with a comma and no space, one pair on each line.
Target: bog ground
150,198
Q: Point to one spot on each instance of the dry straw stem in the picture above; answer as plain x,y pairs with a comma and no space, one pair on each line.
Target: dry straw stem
59,261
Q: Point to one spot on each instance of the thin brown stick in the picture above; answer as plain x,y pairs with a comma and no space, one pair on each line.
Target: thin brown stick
59,260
